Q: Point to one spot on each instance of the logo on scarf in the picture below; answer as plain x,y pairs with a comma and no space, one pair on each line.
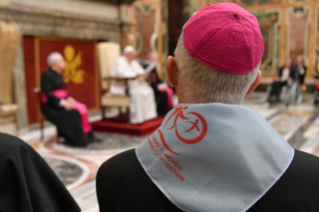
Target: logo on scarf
195,126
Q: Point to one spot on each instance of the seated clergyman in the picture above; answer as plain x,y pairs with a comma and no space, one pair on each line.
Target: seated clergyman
143,105
59,107
163,93
210,153
28,184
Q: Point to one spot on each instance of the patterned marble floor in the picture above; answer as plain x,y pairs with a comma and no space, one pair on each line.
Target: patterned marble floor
77,167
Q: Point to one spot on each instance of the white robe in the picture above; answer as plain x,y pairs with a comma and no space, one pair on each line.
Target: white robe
143,105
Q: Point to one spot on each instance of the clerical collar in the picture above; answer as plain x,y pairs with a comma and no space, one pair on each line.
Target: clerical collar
214,157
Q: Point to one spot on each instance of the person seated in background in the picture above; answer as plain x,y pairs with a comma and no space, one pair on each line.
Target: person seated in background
27,182
60,108
143,105
163,93
211,153
300,70
286,74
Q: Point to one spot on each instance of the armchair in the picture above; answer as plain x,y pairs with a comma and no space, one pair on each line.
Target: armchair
9,43
108,54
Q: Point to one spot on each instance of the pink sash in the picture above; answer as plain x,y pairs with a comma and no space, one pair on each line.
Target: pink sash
170,95
81,108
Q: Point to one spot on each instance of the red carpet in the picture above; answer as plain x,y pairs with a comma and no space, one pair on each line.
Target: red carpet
113,126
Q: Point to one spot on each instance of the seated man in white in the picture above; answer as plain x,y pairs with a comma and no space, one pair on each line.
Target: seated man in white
143,105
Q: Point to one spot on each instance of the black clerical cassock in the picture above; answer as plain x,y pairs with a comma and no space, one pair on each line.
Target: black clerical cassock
67,122
27,183
164,98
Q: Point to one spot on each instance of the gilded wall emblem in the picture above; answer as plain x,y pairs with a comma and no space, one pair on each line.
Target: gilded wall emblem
73,62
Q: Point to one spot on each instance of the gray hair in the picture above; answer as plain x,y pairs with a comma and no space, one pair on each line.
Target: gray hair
202,84
53,57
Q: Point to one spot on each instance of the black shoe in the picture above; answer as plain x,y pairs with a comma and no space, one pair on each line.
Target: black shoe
90,134
97,140
92,138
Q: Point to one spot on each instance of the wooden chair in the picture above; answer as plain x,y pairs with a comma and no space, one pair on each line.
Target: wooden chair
108,54
9,45
37,92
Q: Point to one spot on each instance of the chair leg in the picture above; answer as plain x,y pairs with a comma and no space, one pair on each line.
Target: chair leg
103,113
41,128
120,112
128,114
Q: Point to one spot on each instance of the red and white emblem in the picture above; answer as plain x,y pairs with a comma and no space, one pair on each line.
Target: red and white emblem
198,124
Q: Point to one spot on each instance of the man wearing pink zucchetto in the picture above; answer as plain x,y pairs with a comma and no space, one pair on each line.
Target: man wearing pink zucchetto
211,154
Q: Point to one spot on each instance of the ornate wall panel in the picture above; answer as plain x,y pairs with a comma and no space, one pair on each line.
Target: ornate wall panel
146,20
151,29
317,43
298,25
294,32
270,25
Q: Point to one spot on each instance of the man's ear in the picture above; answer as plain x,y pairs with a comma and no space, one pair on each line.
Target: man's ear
255,83
171,70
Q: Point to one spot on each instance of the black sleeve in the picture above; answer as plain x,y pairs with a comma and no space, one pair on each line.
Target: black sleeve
154,85
122,185
293,73
296,190
47,86
280,72
28,184
302,76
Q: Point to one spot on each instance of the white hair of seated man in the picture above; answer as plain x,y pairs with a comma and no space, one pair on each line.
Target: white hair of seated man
128,49
202,84
53,57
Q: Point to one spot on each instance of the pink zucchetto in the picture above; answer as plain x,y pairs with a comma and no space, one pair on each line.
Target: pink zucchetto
224,37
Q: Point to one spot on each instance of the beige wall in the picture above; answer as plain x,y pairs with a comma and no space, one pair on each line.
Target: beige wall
97,9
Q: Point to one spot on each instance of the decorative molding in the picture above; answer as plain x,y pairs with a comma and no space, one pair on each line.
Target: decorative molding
295,12
47,24
274,18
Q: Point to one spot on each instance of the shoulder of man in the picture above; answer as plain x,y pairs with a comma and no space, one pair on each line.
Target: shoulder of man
9,143
121,59
304,165
119,166
296,190
121,172
47,73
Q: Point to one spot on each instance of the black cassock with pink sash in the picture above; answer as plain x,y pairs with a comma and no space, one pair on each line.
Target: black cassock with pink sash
73,125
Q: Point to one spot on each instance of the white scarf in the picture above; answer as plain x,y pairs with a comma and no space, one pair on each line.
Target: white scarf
214,157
